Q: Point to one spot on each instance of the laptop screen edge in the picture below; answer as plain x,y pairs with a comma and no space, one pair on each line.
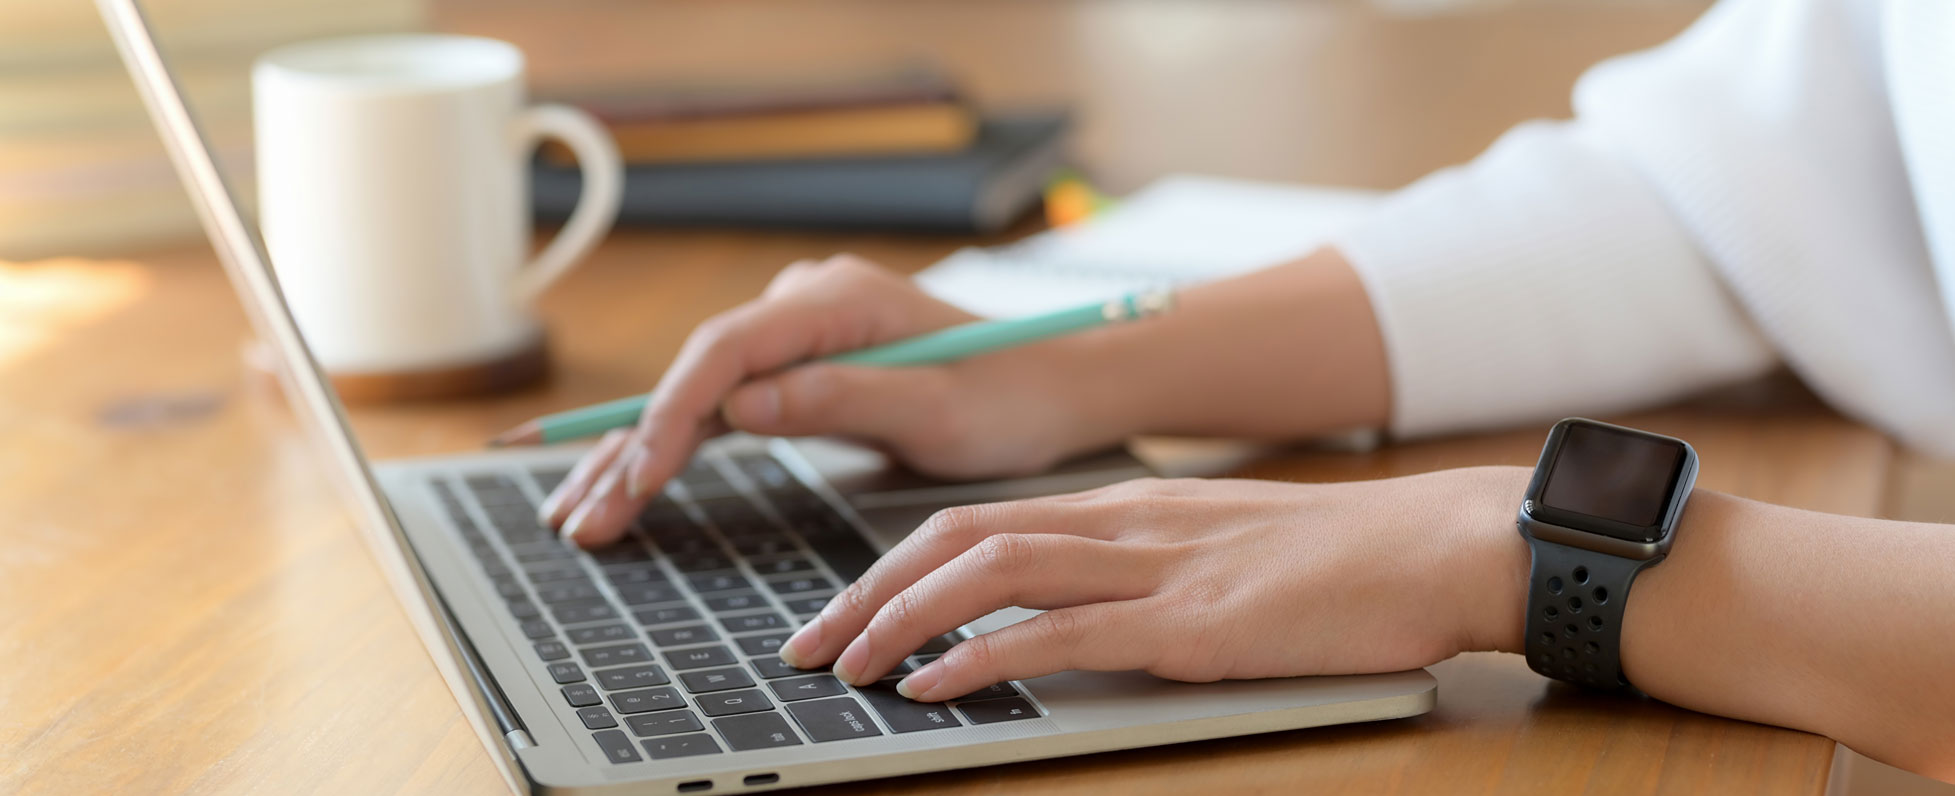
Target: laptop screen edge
248,267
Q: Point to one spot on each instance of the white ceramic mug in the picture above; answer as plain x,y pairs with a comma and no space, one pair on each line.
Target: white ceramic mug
393,190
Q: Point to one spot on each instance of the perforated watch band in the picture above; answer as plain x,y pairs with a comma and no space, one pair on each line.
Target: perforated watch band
1575,603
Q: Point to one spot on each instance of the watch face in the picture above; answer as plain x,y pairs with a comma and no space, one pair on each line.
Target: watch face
1620,476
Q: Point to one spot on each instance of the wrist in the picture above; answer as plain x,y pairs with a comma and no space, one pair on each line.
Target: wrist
1091,401
1492,565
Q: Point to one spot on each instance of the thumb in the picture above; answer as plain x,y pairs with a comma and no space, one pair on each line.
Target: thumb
899,406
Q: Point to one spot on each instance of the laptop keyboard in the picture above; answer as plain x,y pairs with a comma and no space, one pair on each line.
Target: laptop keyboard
666,644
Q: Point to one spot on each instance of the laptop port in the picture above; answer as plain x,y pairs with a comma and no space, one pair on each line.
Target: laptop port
695,786
761,779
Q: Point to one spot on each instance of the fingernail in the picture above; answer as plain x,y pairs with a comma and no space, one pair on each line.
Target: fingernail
802,644
917,686
638,473
576,522
757,404
853,661
548,509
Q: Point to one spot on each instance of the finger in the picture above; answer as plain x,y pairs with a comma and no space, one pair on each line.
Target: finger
796,276
1040,571
577,484
603,515
758,338
1103,637
946,535
895,405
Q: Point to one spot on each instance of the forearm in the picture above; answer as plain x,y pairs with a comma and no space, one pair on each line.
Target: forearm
1284,352
1841,626
1836,625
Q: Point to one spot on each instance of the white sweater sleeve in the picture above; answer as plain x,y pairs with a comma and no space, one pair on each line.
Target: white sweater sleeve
1542,280
1762,188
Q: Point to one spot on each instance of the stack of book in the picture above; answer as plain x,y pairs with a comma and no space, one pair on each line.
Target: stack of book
897,148
81,169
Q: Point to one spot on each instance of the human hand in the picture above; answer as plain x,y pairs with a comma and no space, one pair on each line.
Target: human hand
749,368
1193,580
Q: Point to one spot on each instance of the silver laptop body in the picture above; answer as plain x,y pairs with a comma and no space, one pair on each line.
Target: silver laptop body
650,667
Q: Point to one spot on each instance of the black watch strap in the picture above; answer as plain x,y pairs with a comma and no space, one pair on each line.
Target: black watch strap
1575,602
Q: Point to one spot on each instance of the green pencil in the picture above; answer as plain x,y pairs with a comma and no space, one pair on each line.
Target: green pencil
935,348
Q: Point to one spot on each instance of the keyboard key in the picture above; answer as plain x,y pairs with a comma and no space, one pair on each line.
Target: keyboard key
596,718
783,566
554,572
926,660
799,688
581,695
727,703
601,634
937,646
837,719
708,680
666,615
637,574
552,650
700,476
992,711
769,474
566,673
583,611
770,668
844,550
700,561
799,585
752,622
598,657
523,609
647,700
681,746
537,628
625,552
549,478
756,731
683,635
566,592
764,545
492,566
632,677
992,691
742,601
509,587
699,658
670,722
493,489
904,715
769,644
553,553
718,581
647,593
807,605
617,746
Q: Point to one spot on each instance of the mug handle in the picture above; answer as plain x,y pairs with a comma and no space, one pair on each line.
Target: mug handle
597,205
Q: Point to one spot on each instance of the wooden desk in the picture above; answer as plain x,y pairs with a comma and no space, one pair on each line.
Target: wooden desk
183,606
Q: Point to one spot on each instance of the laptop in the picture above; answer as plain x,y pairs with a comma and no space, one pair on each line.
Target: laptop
650,667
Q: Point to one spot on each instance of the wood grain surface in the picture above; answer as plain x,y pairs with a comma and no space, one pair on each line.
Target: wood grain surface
184,607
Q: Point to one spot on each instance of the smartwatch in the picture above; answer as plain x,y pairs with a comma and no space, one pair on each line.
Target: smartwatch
1603,504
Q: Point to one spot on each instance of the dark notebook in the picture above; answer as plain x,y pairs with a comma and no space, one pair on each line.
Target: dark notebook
981,189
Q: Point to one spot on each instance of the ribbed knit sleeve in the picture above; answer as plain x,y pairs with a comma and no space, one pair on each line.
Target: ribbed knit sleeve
1544,279
1735,197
